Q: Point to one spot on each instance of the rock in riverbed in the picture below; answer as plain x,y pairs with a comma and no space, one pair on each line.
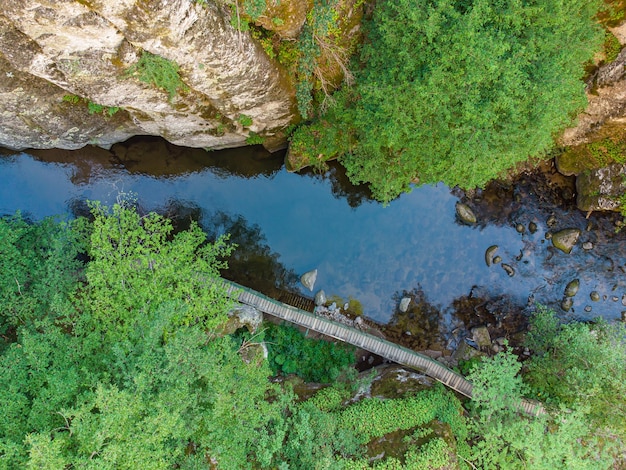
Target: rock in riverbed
404,304
489,254
565,239
465,214
320,298
308,279
572,288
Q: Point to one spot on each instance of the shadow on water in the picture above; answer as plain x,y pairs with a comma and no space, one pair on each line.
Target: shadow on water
155,157
253,263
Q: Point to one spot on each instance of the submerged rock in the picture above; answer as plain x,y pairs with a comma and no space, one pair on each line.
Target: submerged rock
572,288
508,269
489,254
308,279
532,227
595,296
565,240
566,304
465,214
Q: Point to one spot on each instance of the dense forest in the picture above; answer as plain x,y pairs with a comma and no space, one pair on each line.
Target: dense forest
114,354
454,91
114,346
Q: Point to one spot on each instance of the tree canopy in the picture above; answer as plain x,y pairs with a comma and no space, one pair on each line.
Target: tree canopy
456,91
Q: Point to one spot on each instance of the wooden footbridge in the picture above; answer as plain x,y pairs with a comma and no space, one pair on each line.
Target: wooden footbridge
374,344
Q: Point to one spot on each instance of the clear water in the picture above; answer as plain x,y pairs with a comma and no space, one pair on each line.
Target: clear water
368,252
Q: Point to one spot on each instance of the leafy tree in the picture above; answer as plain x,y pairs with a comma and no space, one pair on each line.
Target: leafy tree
39,264
504,438
459,91
130,372
137,264
581,366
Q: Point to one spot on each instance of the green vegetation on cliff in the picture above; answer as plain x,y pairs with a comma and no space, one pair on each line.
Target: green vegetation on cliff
456,91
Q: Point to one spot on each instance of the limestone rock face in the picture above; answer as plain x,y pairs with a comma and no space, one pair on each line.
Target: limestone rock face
50,49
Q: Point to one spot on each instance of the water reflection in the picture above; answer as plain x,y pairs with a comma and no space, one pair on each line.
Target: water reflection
287,224
253,263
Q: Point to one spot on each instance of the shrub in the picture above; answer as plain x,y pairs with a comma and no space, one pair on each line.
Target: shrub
159,72
313,360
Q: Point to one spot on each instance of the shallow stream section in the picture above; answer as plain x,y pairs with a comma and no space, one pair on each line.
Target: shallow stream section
287,224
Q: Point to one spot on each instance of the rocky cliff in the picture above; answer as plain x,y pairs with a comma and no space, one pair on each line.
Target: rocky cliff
67,76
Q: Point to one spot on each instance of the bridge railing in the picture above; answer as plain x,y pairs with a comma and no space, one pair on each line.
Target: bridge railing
369,342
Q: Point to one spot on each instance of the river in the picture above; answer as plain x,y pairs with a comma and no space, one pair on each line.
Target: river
288,223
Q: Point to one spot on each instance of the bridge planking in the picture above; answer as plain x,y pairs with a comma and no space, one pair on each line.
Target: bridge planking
363,340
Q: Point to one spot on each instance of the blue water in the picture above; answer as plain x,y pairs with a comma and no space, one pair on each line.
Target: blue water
369,252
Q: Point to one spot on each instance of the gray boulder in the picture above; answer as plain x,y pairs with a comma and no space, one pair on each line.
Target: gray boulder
308,279
404,304
320,298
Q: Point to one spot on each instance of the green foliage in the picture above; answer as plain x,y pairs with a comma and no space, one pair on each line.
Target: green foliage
607,151
125,372
159,72
92,107
316,143
316,441
581,366
137,265
371,418
313,360
506,439
460,92
612,47
74,99
244,120
39,265
321,23
254,139
254,8
95,108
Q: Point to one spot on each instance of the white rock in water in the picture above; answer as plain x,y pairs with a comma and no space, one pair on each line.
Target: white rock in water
404,304
320,298
308,279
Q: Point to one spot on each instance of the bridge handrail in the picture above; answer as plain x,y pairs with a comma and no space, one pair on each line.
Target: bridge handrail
426,364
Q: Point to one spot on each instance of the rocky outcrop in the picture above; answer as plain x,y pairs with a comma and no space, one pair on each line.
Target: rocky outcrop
606,94
51,49
601,189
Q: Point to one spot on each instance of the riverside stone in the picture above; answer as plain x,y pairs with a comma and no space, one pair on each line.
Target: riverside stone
572,288
465,214
404,304
600,189
565,240
308,279
320,298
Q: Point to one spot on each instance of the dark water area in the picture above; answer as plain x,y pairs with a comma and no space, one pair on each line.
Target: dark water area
287,224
